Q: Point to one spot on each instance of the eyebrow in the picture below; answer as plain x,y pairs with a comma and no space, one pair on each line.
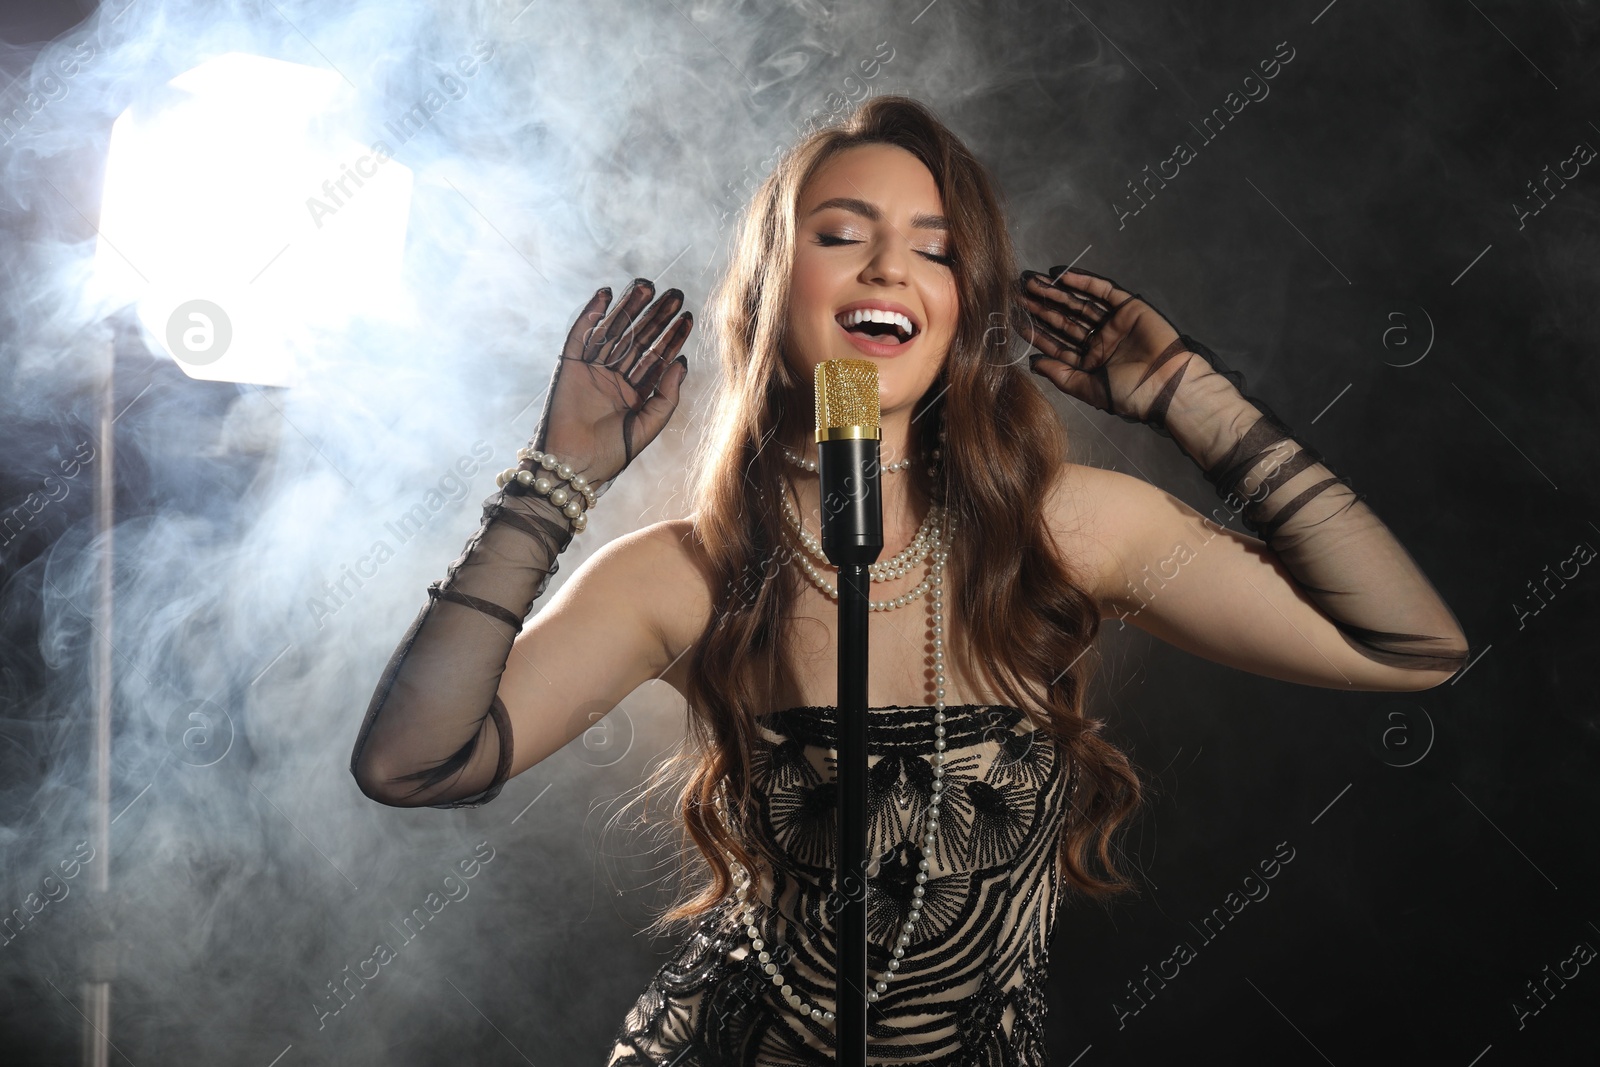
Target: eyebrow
919,221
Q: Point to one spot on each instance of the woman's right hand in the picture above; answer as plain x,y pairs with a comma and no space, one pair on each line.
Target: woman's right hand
616,383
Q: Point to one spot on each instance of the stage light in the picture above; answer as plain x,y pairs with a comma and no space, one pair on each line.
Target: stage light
244,221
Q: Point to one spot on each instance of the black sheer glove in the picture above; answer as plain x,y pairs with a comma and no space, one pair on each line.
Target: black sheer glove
603,405
1114,350
436,732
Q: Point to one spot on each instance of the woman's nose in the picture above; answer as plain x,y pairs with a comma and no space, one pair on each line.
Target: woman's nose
888,261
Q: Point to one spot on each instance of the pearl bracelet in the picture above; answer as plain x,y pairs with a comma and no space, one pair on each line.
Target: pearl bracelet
574,502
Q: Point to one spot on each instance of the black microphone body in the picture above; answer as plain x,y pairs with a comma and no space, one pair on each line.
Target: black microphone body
852,507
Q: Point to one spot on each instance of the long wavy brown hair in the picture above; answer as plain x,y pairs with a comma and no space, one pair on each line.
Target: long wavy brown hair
1026,619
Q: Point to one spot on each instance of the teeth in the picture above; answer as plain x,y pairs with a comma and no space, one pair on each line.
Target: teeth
860,315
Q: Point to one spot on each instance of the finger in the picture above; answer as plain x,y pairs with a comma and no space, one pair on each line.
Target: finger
663,402
647,330
1066,280
1069,327
613,331
1039,336
649,369
1072,302
588,319
634,342
1061,272
1076,280
1097,285
1119,296
543,426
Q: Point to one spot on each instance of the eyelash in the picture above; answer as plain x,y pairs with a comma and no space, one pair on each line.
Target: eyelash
828,240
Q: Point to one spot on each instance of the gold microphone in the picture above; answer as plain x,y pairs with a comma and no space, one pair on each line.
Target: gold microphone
848,442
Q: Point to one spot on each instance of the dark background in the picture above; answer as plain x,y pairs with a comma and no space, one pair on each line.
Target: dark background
1350,243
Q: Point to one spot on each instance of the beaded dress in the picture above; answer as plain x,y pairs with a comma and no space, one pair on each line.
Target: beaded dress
970,989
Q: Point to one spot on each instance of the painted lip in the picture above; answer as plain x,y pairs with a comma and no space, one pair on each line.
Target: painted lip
877,348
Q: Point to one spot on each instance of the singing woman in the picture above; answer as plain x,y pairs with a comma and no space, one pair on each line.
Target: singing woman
992,798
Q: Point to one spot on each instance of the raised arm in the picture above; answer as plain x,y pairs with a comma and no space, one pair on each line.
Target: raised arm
1341,602
439,730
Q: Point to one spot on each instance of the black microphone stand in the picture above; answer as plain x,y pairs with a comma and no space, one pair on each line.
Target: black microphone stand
852,539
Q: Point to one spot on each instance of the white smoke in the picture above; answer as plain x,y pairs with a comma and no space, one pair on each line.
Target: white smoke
254,606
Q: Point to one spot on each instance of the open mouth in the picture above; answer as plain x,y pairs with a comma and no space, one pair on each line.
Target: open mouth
881,327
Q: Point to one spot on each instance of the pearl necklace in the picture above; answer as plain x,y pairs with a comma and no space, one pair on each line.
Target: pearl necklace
930,833
811,465
930,581
887,570
912,555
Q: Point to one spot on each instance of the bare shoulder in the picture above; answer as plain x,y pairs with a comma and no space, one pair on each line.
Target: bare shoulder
1096,516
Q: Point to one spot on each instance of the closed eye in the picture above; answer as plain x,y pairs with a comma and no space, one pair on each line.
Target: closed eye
828,240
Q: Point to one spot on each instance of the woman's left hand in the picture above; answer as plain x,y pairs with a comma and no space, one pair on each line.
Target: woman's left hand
1100,343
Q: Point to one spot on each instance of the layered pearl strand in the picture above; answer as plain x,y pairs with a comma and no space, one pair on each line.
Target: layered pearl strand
575,498
927,535
807,464
930,825
911,556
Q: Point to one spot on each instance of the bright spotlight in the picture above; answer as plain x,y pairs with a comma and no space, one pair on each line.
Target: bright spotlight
241,225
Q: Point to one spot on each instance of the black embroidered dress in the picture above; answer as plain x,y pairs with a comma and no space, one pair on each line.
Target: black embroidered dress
970,987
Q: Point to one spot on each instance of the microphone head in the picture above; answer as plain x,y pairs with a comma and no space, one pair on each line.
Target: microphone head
847,399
